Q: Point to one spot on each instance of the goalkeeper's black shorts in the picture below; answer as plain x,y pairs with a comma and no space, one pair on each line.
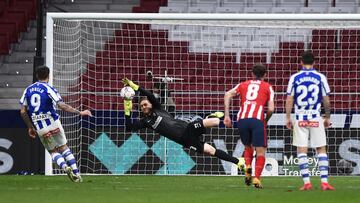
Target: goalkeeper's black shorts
192,136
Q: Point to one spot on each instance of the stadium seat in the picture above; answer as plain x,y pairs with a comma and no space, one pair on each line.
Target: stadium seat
292,3
201,9
4,44
318,9
262,3
257,9
173,9
182,3
235,3
285,9
229,9
320,3
339,9
346,3
206,3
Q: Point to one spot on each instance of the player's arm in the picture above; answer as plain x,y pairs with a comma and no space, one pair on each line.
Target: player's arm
326,100
228,96
26,118
327,107
289,102
271,105
129,125
70,109
143,92
288,108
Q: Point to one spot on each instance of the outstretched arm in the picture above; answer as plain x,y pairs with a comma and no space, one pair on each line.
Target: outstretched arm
129,125
70,109
143,92
228,95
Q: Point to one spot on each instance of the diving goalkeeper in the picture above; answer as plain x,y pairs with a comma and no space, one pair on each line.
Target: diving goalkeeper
179,131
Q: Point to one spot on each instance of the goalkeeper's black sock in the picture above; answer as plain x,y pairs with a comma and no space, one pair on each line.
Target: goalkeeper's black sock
225,156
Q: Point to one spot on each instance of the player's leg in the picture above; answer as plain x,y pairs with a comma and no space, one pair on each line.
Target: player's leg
66,153
50,145
212,151
259,142
318,141
70,159
300,140
245,136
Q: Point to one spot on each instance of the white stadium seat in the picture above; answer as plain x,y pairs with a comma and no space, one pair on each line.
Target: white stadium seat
285,10
318,9
234,3
320,3
229,9
292,3
347,3
184,3
262,3
256,10
201,9
207,3
235,46
342,9
173,9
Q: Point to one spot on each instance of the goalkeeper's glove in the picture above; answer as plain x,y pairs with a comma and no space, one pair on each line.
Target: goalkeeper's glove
127,107
131,84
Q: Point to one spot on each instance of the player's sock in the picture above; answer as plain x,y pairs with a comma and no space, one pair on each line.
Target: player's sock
304,167
59,160
323,167
259,166
225,156
248,156
70,159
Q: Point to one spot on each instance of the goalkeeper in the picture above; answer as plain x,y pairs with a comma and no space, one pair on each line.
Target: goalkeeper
179,131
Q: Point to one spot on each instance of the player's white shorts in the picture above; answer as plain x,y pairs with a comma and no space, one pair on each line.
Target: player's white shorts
56,139
313,129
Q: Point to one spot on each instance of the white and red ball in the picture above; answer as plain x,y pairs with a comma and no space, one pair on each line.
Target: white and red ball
127,93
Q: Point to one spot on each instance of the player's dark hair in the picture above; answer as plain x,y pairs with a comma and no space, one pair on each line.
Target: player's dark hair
307,58
259,70
143,98
42,72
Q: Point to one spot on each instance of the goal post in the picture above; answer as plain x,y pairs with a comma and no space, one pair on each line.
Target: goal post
89,53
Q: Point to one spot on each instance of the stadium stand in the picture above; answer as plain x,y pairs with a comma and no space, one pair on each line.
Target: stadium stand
232,53
18,39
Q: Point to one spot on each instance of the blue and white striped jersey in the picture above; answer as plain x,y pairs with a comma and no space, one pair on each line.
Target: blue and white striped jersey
41,100
308,87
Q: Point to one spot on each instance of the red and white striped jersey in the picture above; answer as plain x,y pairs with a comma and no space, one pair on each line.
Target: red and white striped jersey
254,95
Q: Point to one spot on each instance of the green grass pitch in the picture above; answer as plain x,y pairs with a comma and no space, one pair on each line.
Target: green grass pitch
219,189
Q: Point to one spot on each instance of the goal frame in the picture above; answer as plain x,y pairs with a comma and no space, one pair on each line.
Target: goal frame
171,16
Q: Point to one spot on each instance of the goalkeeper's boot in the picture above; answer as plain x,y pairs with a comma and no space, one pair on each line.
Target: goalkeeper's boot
217,114
326,186
70,173
78,178
248,177
257,183
306,186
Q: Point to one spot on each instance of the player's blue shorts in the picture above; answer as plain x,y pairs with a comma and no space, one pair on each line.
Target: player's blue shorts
252,132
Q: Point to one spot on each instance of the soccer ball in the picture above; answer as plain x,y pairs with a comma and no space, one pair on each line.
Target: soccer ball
127,93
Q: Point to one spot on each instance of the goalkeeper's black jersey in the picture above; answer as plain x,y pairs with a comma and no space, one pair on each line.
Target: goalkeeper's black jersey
160,120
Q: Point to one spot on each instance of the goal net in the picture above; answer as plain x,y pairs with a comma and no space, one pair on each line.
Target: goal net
91,53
